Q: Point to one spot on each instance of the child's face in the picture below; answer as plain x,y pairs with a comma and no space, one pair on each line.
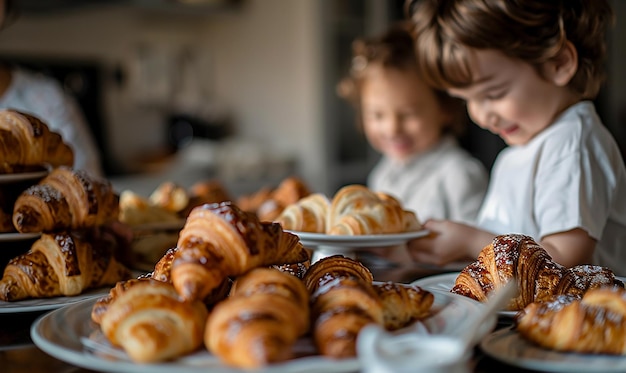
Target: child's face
401,114
510,98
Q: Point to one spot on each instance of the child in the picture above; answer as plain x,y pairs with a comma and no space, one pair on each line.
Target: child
413,127
527,71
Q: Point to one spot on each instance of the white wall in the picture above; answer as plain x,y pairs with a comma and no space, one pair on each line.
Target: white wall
261,62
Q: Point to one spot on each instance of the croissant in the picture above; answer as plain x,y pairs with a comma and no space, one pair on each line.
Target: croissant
594,324
258,324
26,141
65,199
519,258
163,272
403,304
306,215
343,301
221,240
60,264
170,196
151,323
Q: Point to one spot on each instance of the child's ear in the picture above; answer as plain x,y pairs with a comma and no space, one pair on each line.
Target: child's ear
562,68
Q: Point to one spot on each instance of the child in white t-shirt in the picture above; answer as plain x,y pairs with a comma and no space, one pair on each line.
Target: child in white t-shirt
562,178
414,128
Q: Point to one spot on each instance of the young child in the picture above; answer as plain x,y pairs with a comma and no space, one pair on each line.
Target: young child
413,126
527,71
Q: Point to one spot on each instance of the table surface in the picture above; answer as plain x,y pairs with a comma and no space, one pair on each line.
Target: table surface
18,354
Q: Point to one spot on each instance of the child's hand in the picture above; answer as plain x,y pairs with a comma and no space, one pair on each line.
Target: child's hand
448,242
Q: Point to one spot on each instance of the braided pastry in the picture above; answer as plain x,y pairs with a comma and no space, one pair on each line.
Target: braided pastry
258,324
27,141
220,240
343,301
594,324
61,264
538,277
151,323
65,199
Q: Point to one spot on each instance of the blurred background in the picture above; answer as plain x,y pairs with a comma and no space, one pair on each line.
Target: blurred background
239,90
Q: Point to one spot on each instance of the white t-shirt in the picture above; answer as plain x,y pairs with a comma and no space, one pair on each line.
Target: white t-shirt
43,97
444,183
571,175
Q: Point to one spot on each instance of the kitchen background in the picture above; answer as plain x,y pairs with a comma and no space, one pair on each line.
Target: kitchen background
238,90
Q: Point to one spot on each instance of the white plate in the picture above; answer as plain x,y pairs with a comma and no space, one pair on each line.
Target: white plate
12,237
23,176
351,242
508,346
445,282
46,304
69,335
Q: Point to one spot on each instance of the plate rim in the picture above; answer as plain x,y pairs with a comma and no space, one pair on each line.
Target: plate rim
22,176
356,241
539,364
16,236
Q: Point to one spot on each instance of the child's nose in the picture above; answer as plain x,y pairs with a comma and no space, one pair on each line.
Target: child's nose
481,113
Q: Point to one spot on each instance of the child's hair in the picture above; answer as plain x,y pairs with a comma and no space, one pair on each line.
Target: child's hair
531,30
394,50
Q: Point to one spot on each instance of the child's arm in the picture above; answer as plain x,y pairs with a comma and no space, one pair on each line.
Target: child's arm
569,248
448,242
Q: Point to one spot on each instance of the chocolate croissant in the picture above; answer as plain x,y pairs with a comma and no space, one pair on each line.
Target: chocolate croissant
61,264
519,258
65,199
151,323
595,324
343,301
260,321
221,240
26,141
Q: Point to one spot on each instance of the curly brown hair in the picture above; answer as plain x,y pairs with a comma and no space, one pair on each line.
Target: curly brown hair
534,31
394,49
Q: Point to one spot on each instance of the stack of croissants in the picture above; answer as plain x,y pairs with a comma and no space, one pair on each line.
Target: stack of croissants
577,309
245,290
67,207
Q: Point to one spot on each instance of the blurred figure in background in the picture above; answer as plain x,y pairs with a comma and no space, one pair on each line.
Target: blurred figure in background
43,97
414,127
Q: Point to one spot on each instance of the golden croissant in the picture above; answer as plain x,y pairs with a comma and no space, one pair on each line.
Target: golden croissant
520,258
221,240
306,215
258,324
151,323
61,264
403,304
343,301
594,324
27,141
65,199
353,210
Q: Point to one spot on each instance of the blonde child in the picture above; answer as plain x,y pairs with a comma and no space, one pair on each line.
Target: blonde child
413,127
527,71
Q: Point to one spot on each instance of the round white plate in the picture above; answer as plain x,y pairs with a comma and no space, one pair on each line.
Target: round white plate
352,242
12,237
23,176
508,346
445,282
45,304
69,335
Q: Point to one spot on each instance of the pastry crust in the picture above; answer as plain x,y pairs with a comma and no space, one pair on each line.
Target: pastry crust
519,258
